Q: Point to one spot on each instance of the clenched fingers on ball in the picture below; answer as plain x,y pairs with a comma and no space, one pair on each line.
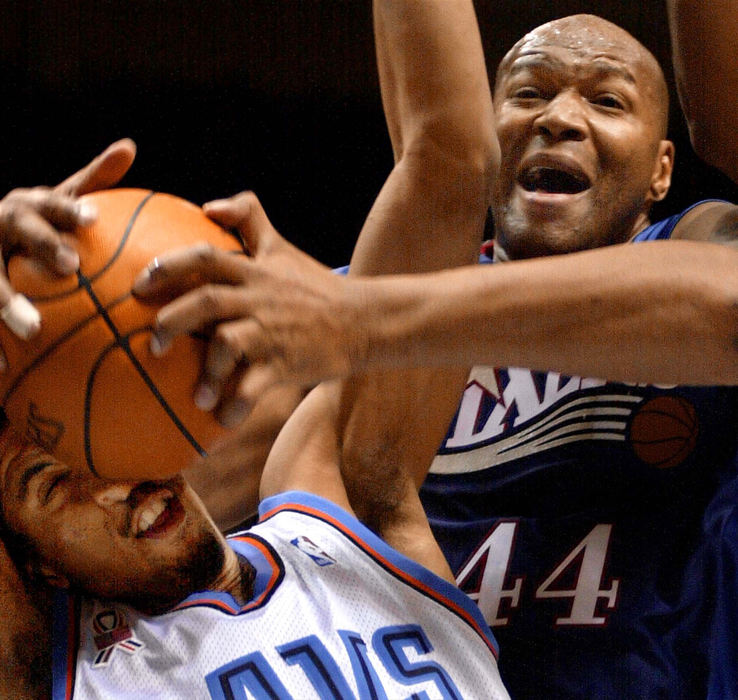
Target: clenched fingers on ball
226,357
179,270
197,311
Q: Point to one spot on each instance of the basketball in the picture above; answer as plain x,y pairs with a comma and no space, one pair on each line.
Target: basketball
86,388
664,431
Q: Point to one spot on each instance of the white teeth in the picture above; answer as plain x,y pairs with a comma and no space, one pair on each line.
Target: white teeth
149,514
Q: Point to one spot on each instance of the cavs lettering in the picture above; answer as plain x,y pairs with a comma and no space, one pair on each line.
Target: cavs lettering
402,650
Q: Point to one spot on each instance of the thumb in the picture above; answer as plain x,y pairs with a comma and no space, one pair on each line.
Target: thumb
104,171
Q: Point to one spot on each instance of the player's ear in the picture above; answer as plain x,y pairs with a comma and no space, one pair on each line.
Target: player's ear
663,167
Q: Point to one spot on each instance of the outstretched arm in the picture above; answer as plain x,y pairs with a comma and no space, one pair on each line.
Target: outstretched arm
704,54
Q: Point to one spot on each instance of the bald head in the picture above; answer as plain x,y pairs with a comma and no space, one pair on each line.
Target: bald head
590,37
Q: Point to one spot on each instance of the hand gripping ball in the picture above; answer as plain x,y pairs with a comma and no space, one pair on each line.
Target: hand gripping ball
87,388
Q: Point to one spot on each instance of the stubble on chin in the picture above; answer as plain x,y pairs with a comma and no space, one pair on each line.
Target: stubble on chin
193,571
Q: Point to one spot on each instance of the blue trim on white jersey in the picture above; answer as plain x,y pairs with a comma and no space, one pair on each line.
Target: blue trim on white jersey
402,567
269,572
60,648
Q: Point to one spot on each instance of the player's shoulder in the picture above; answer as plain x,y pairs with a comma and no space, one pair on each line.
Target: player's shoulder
713,220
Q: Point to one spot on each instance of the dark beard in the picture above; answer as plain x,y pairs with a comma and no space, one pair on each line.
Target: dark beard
191,574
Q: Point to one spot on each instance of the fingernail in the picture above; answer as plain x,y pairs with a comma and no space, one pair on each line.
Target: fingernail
233,413
205,397
159,344
142,283
86,213
21,317
67,260
145,280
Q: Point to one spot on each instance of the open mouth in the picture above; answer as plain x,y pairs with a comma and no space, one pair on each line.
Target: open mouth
552,180
155,510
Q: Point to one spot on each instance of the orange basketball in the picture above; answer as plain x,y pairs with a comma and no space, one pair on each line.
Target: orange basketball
87,387
664,431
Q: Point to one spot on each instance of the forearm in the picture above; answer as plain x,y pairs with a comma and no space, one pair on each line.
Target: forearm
662,312
433,80
429,216
25,646
704,55
430,212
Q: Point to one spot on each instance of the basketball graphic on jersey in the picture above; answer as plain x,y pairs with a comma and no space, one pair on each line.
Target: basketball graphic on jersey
663,432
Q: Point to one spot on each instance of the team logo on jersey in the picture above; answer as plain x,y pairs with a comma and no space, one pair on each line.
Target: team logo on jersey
112,632
508,414
307,546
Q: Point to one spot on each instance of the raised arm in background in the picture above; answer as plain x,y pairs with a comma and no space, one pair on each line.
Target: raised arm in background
704,56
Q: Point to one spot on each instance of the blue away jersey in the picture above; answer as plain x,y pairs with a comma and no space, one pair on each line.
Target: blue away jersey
595,525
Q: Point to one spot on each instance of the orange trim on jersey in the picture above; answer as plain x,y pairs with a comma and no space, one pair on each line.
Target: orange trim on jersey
276,572
392,568
72,643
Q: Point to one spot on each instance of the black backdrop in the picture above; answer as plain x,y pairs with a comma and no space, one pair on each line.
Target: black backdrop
279,96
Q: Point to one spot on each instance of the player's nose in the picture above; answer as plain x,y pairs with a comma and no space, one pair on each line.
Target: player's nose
563,117
109,493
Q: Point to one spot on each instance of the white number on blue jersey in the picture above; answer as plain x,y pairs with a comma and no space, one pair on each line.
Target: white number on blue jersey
486,577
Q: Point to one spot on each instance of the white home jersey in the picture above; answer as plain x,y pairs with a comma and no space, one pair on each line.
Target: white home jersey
336,613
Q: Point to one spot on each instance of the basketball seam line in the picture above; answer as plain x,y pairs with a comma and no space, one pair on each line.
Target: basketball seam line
122,342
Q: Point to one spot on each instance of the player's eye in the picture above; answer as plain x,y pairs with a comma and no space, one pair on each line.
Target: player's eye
526,93
609,101
52,484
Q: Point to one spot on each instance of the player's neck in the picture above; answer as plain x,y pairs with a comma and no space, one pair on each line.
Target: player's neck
236,578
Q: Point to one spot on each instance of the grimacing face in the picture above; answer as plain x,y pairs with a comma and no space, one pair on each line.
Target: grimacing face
581,112
149,544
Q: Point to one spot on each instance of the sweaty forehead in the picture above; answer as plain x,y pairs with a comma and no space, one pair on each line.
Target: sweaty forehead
580,40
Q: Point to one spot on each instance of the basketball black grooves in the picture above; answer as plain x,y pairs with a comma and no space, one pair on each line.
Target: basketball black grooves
121,341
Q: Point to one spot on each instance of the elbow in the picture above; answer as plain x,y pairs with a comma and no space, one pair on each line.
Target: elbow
703,141
467,164
465,144
713,146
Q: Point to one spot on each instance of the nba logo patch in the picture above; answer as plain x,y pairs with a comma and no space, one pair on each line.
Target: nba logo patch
112,632
307,546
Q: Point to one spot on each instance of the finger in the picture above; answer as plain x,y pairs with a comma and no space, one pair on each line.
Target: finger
244,213
104,171
28,232
254,383
17,313
196,311
61,210
233,412
184,268
221,360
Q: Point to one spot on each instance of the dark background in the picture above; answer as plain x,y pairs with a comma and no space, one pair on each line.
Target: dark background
278,96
